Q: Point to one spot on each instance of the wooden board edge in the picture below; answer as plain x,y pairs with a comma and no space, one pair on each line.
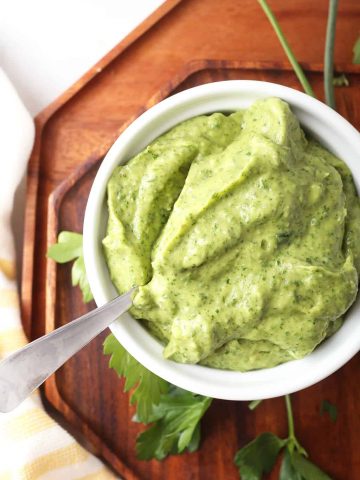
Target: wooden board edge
29,231
339,67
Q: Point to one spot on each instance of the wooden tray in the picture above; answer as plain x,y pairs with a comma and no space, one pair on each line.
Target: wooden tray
181,45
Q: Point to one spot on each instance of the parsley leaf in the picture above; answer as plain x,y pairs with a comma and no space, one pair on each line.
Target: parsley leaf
78,277
356,51
307,469
176,426
70,247
331,409
287,470
297,467
195,440
148,386
258,456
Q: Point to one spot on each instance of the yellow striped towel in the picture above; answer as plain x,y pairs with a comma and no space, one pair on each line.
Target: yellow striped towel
32,445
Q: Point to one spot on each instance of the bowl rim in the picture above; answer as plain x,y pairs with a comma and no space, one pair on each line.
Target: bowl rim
230,385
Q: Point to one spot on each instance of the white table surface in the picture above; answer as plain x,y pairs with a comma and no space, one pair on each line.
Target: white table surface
46,45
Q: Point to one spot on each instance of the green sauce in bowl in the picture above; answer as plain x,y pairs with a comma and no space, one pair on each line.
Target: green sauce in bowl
244,235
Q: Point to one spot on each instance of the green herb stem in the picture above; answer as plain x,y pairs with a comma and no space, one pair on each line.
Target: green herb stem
295,64
292,440
356,52
254,404
290,417
329,54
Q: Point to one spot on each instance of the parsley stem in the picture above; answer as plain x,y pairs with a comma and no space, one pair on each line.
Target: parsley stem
329,54
292,440
290,417
255,403
295,64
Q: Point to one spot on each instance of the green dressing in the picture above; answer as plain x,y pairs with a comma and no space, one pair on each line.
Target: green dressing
243,234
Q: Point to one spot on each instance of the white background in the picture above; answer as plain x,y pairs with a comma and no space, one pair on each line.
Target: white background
46,45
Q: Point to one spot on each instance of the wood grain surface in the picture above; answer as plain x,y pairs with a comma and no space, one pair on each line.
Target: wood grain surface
184,44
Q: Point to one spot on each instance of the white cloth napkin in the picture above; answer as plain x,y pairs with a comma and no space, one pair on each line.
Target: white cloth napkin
32,445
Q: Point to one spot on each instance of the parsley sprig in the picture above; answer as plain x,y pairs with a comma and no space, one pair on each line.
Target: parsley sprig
70,247
329,54
329,83
259,456
147,386
174,414
287,49
176,425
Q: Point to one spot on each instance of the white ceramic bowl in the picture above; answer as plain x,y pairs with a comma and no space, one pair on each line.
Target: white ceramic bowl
332,130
